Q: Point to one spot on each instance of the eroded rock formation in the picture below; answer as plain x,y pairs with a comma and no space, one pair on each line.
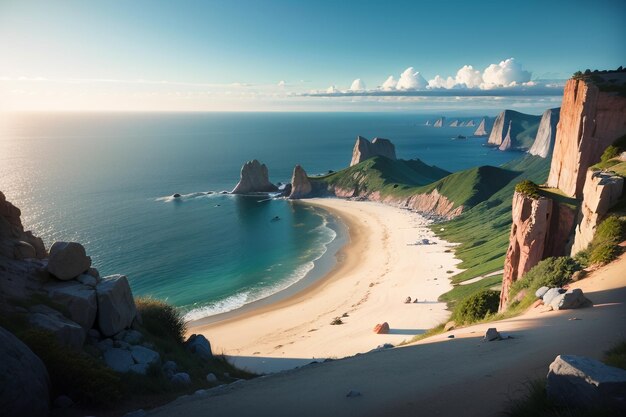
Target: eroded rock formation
482,129
15,242
507,128
300,184
590,121
541,228
601,191
364,149
254,179
440,122
546,135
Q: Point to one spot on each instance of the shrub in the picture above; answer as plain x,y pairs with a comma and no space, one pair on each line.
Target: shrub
551,272
336,321
74,373
609,153
528,188
605,244
161,319
476,307
616,356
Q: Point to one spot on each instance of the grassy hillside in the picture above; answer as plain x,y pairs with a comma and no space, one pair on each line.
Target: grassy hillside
483,230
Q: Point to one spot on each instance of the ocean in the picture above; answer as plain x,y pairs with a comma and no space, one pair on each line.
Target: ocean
105,180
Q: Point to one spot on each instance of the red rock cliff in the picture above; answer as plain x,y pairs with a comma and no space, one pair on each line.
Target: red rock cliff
590,121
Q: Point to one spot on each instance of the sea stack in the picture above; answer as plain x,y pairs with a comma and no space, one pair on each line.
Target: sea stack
440,122
482,128
470,124
300,184
455,123
364,149
254,179
544,142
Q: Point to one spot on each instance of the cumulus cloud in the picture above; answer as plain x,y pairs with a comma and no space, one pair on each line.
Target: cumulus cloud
410,80
469,76
389,84
440,82
506,73
281,83
332,90
358,85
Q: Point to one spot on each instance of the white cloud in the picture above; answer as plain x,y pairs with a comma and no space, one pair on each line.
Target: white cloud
332,90
410,80
469,76
506,73
440,82
390,83
281,83
358,85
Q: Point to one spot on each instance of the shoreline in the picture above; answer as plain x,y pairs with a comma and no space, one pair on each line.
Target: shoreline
375,271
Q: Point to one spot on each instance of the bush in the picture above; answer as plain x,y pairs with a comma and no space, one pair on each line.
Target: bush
605,244
616,356
476,307
74,373
551,272
528,188
161,319
609,153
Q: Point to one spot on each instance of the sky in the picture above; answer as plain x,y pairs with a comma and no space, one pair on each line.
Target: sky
321,55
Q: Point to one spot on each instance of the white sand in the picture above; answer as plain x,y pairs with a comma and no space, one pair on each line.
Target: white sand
376,271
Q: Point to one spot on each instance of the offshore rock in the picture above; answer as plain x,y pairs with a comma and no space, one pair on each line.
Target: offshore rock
483,128
439,122
364,149
300,184
254,179
590,121
546,135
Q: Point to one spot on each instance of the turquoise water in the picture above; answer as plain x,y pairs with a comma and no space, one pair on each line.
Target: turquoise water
104,180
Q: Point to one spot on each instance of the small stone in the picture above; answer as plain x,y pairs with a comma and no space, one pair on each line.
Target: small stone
450,336
169,368
121,344
144,355
407,300
105,345
492,334
181,378
119,360
63,401
353,393
382,328
140,368
200,392
132,337
211,378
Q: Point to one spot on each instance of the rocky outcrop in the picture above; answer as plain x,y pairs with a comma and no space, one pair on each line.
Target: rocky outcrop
68,260
300,184
24,380
455,123
15,242
471,124
590,120
601,191
439,122
254,179
116,305
483,128
364,149
79,301
67,332
541,228
546,135
507,129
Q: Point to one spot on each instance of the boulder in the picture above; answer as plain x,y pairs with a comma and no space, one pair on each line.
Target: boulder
541,292
550,294
364,149
78,299
68,260
300,184
139,368
87,279
24,380
116,306
254,179
181,378
571,299
67,332
577,381
120,360
200,346
492,334
169,368
143,355
211,378
382,328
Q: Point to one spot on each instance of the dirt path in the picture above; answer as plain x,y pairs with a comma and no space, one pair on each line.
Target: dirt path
463,376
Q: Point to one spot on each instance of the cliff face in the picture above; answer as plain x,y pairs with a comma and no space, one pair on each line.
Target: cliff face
541,228
600,193
254,179
482,129
440,122
513,130
300,184
364,149
546,135
15,242
590,121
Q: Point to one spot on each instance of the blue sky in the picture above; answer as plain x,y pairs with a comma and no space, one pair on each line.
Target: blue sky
229,49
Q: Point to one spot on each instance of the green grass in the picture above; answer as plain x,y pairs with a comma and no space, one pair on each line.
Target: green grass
462,291
476,307
483,230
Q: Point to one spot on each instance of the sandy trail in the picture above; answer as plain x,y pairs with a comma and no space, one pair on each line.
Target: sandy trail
438,376
378,269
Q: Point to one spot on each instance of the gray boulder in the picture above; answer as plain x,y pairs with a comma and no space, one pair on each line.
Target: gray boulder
211,378
144,355
492,334
24,380
78,299
550,294
573,298
120,360
584,382
87,279
169,368
541,292
139,368
67,332
116,306
68,260
181,378
200,346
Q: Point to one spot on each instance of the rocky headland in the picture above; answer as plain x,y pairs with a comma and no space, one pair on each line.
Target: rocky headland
364,149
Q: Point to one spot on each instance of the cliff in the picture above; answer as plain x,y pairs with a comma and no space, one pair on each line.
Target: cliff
513,130
602,190
541,228
300,184
364,149
590,121
546,134
440,122
483,128
254,179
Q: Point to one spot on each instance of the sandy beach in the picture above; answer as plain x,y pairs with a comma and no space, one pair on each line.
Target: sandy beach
376,271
